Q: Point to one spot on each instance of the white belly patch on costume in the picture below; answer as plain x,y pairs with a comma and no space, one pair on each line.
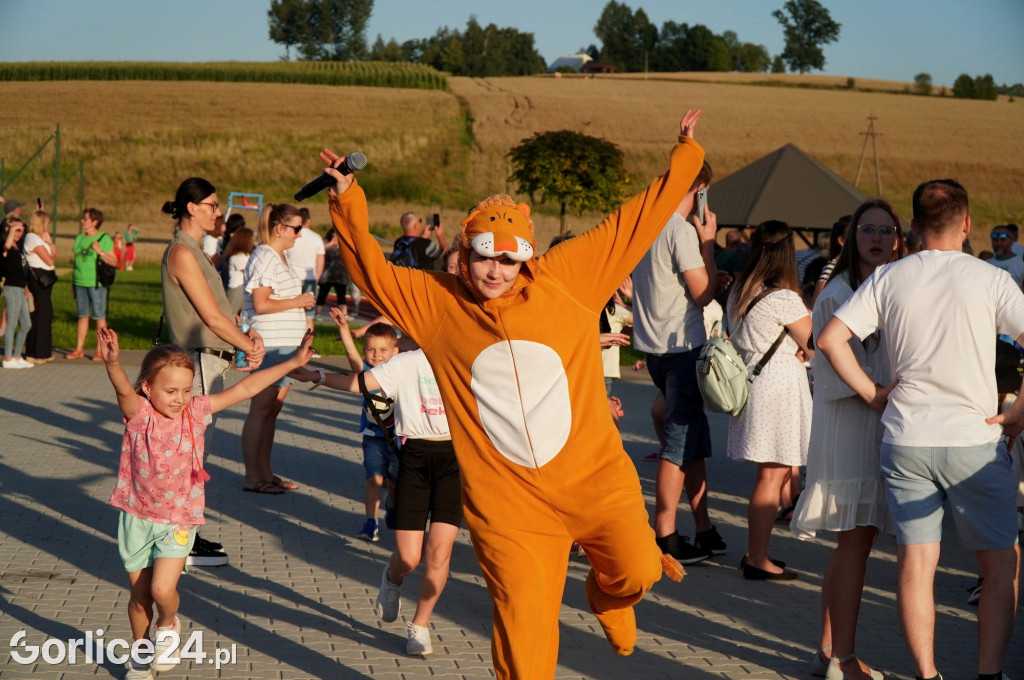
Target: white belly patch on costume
522,395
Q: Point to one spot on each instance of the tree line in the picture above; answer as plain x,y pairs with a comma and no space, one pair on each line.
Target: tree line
336,30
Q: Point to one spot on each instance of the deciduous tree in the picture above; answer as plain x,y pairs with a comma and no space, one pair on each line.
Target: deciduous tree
923,83
321,29
576,171
807,25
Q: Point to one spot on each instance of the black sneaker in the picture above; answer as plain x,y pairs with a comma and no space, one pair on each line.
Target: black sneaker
679,547
709,541
204,555
207,545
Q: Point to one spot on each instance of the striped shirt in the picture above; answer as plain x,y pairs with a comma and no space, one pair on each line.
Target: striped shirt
266,269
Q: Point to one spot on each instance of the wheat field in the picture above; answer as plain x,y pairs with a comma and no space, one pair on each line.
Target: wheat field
140,139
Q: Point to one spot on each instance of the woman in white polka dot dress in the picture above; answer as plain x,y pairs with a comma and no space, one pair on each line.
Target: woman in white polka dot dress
774,427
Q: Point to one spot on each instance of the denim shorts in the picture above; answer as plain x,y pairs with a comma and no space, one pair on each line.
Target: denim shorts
976,481
140,541
86,297
378,458
275,356
687,432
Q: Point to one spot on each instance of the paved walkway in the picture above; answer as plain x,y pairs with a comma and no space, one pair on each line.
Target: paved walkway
296,600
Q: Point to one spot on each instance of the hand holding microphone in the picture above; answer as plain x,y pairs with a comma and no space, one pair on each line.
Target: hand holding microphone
333,175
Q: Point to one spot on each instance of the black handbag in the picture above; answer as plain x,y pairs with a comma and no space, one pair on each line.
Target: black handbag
45,278
105,273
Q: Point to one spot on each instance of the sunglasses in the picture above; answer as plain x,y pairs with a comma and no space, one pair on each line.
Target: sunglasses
870,229
294,227
1000,234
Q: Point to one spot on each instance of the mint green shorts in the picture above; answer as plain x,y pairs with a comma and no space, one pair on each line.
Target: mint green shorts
140,541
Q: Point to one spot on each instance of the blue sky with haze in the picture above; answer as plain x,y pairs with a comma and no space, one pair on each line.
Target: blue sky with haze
889,39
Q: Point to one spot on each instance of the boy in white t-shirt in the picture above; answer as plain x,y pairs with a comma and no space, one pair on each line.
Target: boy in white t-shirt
940,311
428,484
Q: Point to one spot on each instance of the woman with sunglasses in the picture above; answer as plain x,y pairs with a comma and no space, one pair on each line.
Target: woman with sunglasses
275,306
844,490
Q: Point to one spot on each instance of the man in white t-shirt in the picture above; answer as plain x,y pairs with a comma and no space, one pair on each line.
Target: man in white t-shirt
306,258
1017,248
673,283
1003,240
940,311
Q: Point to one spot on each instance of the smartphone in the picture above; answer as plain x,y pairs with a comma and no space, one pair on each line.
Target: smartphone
39,203
437,220
701,203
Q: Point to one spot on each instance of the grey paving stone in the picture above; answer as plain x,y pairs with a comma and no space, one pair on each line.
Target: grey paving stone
296,599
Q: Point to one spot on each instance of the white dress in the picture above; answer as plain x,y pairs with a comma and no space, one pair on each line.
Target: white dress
844,486
775,424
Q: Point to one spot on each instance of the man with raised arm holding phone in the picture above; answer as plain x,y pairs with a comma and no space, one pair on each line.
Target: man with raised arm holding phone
673,283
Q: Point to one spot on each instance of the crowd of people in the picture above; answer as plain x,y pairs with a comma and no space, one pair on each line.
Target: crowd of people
893,408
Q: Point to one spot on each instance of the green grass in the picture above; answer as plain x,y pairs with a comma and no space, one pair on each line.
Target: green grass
134,307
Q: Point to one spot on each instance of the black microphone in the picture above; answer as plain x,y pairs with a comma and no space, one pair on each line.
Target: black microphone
354,161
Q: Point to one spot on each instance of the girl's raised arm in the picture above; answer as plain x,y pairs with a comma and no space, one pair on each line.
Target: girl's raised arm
261,380
110,351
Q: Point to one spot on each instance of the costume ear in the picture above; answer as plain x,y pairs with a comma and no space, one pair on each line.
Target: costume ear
469,218
523,208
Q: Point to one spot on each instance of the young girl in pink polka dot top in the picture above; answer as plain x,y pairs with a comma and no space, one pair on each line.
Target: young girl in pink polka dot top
160,479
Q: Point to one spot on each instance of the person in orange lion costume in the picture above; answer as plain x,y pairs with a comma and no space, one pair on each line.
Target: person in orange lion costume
513,343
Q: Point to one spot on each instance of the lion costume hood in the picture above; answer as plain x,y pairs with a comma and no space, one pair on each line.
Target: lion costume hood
499,225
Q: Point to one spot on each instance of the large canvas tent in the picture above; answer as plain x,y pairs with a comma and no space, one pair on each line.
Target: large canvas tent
788,185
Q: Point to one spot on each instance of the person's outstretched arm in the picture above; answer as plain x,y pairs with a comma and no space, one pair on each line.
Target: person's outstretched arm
110,352
255,383
623,237
355,361
342,381
415,300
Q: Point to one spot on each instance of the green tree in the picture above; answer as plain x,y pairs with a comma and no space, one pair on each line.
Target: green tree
288,22
321,29
389,51
963,87
807,25
778,64
628,39
985,87
751,58
576,171
705,51
923,83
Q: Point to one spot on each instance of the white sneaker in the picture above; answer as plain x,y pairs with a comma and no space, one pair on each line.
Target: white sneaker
162,642
419,641
24,363
16,362
140,672
389,599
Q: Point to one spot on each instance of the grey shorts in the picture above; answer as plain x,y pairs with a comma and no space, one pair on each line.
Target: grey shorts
977,482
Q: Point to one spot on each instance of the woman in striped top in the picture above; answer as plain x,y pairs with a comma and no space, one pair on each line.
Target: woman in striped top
274,305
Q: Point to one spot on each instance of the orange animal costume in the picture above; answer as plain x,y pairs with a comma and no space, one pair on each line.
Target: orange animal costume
542,463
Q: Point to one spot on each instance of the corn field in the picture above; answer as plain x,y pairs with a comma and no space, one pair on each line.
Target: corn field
365,73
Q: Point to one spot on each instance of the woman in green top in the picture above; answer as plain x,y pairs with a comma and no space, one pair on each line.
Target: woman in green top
90,246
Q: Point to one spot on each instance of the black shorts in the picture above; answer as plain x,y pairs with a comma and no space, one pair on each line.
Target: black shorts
428,485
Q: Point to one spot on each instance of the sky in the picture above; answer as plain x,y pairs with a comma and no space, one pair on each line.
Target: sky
887,39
